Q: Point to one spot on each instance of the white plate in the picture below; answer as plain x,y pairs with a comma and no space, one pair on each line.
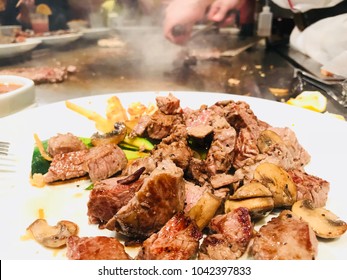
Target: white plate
323,137
13,49
95,33
59,40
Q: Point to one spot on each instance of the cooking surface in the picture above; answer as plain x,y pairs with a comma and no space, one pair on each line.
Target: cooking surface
150,63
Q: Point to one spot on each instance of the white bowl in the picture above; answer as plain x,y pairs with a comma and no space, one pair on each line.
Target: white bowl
18,99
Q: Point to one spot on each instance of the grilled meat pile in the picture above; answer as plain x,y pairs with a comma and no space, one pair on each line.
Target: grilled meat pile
216,171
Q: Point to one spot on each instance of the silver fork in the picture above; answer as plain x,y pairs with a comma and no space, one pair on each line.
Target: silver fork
7,160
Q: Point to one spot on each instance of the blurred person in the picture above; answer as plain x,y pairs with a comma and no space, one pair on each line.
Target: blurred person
320,28
188,12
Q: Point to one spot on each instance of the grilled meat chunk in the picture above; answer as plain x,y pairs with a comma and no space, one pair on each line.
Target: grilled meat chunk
169,105
159,198
285,237
107,197
64,143
310,187
95,248
179,152
104,161
233,232
177,240
161,125
66,166
221,153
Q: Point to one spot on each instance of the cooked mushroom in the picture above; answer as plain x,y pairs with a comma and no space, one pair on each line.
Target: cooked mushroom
52,236
252,189
266,139
278,181
204,210
255,197
114,137
258,207
324,223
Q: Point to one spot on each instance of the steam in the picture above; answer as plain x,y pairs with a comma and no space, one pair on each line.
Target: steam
145,36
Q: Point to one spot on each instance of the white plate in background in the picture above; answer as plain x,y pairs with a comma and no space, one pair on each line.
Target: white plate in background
13,49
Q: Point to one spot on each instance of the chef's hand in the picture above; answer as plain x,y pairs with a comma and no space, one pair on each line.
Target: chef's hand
219,9
180,16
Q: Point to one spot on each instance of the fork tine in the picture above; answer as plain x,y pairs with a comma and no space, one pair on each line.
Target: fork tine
6,159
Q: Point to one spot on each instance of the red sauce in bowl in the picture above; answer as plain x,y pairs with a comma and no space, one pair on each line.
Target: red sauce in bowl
7,87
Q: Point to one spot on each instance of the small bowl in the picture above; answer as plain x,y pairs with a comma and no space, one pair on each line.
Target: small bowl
16,99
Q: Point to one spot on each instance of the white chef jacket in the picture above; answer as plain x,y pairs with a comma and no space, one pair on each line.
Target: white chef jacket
323,40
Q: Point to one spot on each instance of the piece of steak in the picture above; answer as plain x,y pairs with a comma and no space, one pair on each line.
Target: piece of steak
220,155
66,166
160,125
169,105
310,187
177,240
64,143
104,161
233,232
179,152
107,197
40,75
285,237
95,248
160,197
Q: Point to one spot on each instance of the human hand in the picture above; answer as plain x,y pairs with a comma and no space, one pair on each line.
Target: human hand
219,10
183,13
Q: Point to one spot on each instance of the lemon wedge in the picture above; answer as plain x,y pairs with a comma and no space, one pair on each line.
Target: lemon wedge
312,100
340,117
43,9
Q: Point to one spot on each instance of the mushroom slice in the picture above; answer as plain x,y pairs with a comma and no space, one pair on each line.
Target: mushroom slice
258,207
255,197
278,181
204,210
52,236
252,189
266,139
114,137
324,223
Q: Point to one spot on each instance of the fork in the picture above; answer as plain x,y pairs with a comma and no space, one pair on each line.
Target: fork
7,160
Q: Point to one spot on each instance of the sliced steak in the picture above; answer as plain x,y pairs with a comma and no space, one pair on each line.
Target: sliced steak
193,194
160,197
66,166
104,161
285,237
233,232
39,75
179,152
141,127
161,125
147,162
169,105
95,248
221,153
300,156
310,187
107,197
177,240
64,143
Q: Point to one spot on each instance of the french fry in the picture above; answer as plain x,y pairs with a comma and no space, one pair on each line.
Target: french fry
115,110
102,124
